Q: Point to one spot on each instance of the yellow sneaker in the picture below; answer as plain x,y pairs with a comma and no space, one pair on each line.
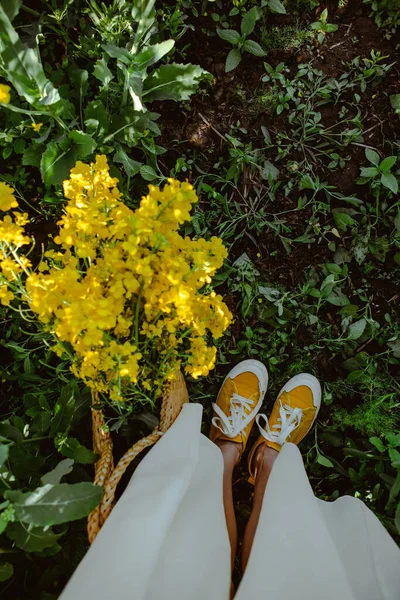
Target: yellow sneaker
292,416
239,400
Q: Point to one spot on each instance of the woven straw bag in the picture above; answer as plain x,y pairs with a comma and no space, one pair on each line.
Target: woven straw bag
105,474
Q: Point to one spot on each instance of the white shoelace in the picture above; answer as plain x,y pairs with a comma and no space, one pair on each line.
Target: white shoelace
234,423
289,420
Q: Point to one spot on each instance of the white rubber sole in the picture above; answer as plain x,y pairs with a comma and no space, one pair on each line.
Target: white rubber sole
251,366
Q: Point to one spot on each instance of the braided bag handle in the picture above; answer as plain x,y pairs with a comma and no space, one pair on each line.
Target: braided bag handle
105,474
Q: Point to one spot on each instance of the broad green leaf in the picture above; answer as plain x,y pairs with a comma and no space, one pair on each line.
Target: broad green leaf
132,167
276,6
55,164
337,298
3,454
11,7
148,173
79,78
63,468
324,461
120,53
248,22
55,504
269,170
63,411
6,570
96,117
85,143
22,67
395,102
395,489
369,172
372,156
229,35
388,163
357,329
152,54
41,422
174,82
390,182
71,448
102,72
253,48
33,539
343,220
232,60
377,442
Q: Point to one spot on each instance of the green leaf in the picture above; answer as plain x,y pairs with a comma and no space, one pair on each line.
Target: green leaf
71,448
120,53
102,72
387,163
22,67
152,54
85,143
343,220
3,454
63,411
6,571
372,156
174,82
55,164
11,7
253,48
79,78
390,182
395,102
229,35
55,504
377,442
63,468
96,117
33,539
357,329
324,461
395,489
248,22
232,60
132,167
397,516
276,6
337,297
369,172
148,173
269,170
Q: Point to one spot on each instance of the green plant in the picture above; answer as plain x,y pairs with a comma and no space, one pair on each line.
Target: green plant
385,12
380,173
322,27
105,108
239,41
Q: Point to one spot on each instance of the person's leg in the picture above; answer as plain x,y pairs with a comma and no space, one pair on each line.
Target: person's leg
230,454
263,462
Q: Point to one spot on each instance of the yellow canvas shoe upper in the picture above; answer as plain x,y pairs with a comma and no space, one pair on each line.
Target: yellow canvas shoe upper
292,416
239,400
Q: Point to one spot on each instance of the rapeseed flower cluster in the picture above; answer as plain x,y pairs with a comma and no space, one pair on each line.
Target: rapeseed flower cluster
125,295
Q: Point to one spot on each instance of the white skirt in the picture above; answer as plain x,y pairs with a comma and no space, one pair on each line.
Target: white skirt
167,537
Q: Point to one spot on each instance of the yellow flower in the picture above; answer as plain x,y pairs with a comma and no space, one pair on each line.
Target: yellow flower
7,199
125,293
5,295
36,126
5,96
